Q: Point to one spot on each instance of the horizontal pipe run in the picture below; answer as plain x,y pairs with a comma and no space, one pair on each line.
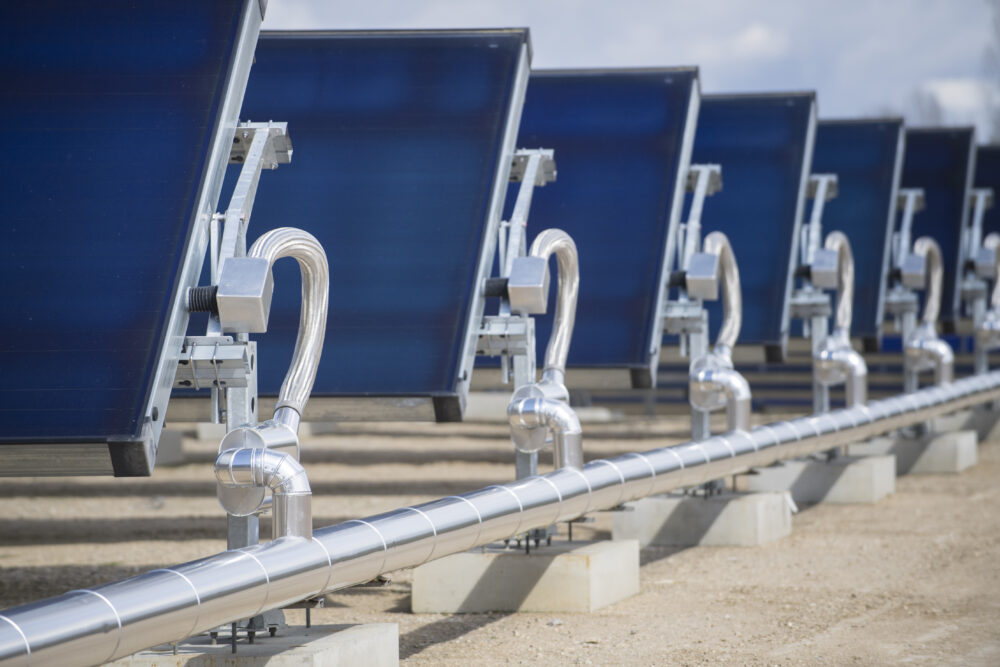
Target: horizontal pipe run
118,619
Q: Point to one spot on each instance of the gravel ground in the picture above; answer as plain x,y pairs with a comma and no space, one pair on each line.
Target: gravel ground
914,579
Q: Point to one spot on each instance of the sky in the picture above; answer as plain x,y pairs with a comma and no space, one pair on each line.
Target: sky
863,57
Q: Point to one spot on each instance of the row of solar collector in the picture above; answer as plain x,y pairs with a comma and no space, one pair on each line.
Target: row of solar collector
403,145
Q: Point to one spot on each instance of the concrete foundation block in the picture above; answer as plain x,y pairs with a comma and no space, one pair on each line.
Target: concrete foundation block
727,519
846,479
375,644
170,448
563,577
210,431
948,452
982,419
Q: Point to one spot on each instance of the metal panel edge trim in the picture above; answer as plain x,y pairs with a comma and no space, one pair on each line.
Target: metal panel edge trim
677,207
807,159
500,184
208,198
897,176
964,223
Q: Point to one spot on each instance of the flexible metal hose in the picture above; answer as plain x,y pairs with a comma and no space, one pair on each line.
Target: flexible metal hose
717,243
839,243
303,247
928,248
561,244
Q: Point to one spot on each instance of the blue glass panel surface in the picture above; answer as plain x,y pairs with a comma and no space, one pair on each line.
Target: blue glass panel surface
863,154
762,142
397,138
988,176
938,160
107,112
617,137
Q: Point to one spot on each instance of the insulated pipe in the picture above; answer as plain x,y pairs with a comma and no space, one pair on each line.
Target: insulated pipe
924,346
837,361
165,605
303,247
928,248
838,242
714,373
561,244
559,419
717,243
279,472
840,360
733,385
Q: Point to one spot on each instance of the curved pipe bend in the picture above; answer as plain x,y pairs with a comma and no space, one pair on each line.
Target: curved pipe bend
527,414
711,380
838,362
924,348
559,243
303,247
988,332
718,244
282,474
839,243
928,248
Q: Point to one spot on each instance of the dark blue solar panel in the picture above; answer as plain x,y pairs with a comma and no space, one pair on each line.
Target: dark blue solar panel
863,155
762,143
617,137
107,113
938,161
988,176
397,139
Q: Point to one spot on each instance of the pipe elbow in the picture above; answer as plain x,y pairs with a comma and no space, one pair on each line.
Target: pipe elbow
308,252
282,474
709,383
843,363
926,350
538,415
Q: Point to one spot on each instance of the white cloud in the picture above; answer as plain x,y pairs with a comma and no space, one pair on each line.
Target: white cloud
860,56
759,42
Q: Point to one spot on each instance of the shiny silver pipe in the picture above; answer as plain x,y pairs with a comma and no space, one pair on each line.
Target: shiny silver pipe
988,331
838,242
717,243
282,474
713,382
118,619
836,361
557,418
558,242
304,248
924,349
928,248
992,242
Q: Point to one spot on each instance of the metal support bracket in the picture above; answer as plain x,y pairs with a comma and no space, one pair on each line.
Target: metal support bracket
213,361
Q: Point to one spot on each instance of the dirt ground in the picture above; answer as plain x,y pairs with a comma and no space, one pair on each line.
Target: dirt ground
914,579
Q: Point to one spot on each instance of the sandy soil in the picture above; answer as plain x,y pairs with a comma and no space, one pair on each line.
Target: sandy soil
914,579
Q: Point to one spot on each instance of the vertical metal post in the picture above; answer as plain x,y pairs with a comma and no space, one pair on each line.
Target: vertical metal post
701,427
911,378
818,335
525,463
